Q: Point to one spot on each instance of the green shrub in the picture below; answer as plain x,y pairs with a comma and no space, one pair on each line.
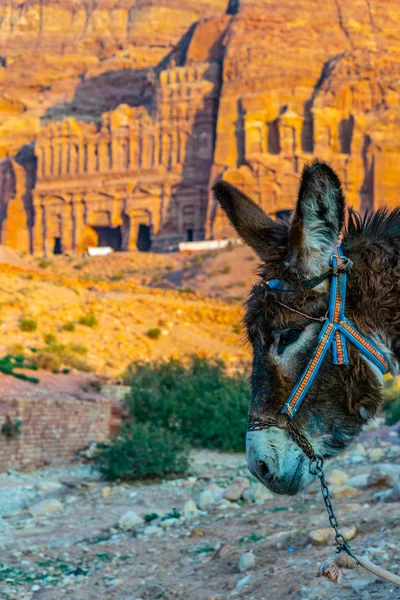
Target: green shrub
68,326
55,357
10,428
78,349
47,360
50,338
154,333
89,320
200,401
117,277
44,263
10,362
77,363
16,349
28,324
143,450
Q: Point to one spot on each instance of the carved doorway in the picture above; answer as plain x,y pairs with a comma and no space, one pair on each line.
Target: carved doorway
109,236
143,242
58,249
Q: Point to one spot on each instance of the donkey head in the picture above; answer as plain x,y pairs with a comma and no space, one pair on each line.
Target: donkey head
342,398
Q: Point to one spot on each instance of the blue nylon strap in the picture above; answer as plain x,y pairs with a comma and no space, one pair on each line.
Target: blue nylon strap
372,357
338,285
334,334
318,361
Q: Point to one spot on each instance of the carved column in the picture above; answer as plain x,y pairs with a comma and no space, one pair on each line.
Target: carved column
77,212
166,192
56,158
91,155
125,232
116,211
67,225
81,150
133,151
174,148
133,231
44,166
73,158
165,150
103,159
116,153
47,241
38,241
65,148
157,145
145,162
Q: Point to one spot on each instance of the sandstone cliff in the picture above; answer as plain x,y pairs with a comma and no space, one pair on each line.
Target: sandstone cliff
296,80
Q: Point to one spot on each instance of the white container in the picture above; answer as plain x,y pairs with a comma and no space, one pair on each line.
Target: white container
100,251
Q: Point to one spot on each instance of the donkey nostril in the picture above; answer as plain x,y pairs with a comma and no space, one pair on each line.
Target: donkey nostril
263,470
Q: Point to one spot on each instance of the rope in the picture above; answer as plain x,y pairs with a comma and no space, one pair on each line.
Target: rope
332,568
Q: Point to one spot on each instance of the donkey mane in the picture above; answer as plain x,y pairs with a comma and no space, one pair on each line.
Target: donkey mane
380,225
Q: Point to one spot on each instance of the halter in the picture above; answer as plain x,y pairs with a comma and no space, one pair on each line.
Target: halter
335,333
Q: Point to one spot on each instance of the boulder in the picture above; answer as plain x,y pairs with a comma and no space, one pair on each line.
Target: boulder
358,481
337,477
343,491
216,491
152,530
384,475
190,509
236,489
105,492
392,495
205,499
257,492
246,561
319,537
172,522
376,453
46,507
49,486
130,520
349,532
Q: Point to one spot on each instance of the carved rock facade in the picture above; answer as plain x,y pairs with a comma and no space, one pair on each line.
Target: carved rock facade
138,177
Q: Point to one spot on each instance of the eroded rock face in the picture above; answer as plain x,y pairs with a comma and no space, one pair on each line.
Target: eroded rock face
302,80
134,110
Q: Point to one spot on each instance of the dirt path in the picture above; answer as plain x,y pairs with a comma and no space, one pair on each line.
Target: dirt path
80,552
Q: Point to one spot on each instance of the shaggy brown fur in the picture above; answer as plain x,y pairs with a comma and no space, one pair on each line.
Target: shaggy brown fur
342,398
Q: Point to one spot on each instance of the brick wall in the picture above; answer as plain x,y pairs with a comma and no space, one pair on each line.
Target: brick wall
52,431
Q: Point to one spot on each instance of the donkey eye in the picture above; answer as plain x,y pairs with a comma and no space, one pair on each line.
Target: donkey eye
286,338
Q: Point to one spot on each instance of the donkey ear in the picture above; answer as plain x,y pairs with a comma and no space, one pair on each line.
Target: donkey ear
251,223
318,218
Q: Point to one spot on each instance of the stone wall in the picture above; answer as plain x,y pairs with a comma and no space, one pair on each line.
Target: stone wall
52,431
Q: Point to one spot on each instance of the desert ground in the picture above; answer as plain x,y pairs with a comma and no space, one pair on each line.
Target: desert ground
194,300
68,534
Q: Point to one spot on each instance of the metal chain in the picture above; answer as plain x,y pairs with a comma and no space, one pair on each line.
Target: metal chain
317,468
